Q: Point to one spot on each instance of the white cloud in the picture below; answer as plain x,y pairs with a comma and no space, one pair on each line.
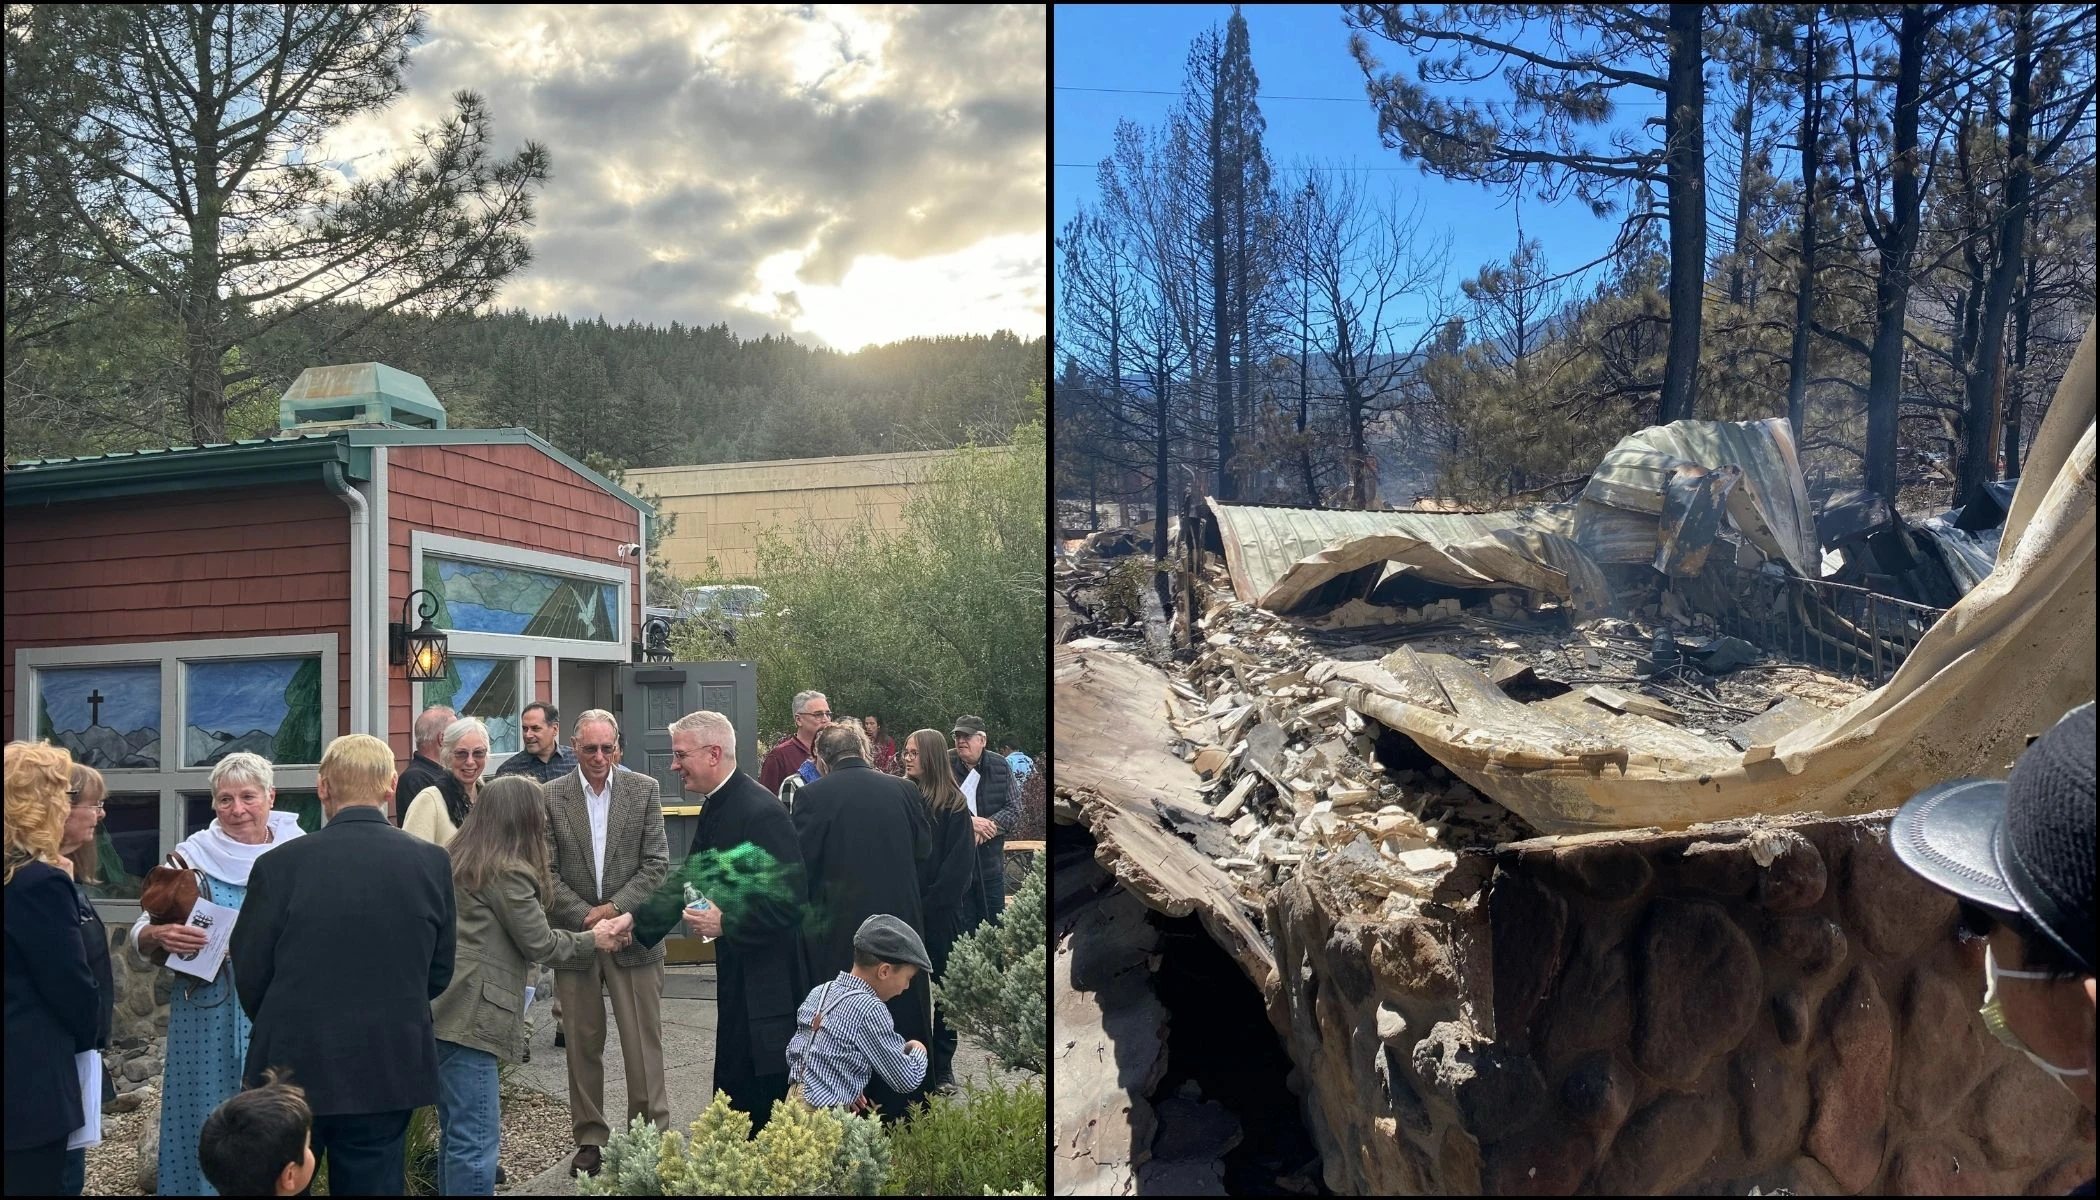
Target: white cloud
881,166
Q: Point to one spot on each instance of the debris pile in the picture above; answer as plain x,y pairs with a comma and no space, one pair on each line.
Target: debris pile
1292,773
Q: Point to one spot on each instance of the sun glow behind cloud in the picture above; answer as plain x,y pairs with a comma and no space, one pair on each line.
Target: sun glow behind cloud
995,284
852,174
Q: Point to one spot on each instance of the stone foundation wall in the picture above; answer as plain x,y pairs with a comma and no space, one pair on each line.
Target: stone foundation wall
143,991
1778,1005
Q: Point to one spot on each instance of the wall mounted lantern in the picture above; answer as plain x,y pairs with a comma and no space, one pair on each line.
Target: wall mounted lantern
655,645
423,651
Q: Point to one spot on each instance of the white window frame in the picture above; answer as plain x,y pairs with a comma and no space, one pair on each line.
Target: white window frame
514,645
172,780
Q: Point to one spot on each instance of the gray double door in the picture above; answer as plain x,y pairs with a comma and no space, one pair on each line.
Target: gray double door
649,696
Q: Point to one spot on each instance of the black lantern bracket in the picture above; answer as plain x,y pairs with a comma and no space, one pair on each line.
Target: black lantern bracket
655,645
423,652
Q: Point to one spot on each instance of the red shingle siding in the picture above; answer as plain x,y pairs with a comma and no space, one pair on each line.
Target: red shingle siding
509,495
259,562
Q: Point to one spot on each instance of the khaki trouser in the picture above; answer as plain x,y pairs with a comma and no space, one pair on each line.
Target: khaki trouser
637,1007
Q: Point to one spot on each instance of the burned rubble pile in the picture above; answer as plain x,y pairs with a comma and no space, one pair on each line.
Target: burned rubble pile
1290,771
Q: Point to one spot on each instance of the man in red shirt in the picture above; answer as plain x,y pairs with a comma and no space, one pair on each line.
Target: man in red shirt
812,713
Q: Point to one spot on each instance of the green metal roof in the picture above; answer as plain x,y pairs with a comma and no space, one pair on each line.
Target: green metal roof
296,457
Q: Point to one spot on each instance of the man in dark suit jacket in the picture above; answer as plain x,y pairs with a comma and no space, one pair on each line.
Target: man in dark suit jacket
755,913
345,938
863,835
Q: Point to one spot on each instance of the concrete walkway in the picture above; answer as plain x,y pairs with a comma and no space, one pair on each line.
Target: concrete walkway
689,1044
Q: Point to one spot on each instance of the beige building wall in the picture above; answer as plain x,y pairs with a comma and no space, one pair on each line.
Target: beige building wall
723,507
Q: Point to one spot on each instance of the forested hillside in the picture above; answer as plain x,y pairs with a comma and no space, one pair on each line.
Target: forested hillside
641,396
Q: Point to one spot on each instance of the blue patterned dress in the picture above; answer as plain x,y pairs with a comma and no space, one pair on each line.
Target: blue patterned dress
207,1048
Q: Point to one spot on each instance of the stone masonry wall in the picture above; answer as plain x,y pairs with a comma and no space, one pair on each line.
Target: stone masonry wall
1775,1004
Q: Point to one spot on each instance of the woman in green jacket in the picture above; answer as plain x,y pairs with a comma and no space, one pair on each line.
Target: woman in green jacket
499,873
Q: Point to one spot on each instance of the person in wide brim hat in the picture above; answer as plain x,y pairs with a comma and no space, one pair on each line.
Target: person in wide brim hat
2018,854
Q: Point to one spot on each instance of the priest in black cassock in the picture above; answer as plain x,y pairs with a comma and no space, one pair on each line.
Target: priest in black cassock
744,860
863,835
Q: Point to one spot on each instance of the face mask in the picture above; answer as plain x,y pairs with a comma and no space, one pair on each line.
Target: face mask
1993,1013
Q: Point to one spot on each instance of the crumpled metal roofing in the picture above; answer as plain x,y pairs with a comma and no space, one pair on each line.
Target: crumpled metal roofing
1617,514
1658,497
2009,659
1264,544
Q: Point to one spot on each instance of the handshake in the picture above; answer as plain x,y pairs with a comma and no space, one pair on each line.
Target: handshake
610,932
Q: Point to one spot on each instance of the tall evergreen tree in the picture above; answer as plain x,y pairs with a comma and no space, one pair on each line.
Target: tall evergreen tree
1562,91
180,149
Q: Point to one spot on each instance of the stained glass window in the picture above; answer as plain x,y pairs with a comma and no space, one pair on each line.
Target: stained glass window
106,716
479,598
485,688
271,706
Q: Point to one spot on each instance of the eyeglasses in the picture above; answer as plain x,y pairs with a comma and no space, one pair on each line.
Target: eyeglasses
606,748
98,806
825,715
468,754
679,756
222,803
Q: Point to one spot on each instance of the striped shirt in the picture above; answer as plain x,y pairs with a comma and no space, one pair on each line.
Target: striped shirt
859,1040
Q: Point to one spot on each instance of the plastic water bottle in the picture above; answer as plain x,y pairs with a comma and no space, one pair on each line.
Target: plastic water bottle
697,903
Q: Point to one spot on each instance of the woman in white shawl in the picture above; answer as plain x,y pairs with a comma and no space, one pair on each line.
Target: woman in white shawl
207,1031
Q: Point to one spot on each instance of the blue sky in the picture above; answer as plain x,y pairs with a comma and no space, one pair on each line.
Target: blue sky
1299,50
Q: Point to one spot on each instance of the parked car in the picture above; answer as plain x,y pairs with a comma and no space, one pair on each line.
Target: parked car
721,606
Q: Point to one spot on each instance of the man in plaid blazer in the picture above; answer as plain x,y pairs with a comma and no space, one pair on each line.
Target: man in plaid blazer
607,830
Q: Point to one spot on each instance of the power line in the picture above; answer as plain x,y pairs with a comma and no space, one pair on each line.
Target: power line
1273,170
1322,99
1157,92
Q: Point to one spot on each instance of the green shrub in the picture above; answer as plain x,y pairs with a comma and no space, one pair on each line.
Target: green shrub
984,1141
994,987
800,1152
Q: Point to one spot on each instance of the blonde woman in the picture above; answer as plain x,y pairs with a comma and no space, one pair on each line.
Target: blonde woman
88,794
500,877
437,813
208,1033
52,1000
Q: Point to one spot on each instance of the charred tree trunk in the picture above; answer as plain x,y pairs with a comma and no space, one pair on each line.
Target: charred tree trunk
1685,128
1161,424
1892,284
1220,306
1979,453
1805,275
1739,272
2016,395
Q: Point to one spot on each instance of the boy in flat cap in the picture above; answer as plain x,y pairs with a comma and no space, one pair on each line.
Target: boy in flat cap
2018,854
844,1033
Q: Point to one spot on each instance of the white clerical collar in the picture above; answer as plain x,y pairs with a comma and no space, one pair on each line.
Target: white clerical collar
718,787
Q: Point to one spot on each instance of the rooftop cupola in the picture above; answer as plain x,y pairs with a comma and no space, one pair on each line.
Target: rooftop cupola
358,394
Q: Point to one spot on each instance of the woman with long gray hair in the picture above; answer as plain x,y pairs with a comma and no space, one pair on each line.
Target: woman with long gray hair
207,1029
500,876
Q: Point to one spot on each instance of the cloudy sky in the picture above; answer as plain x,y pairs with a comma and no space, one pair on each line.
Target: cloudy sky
846,175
